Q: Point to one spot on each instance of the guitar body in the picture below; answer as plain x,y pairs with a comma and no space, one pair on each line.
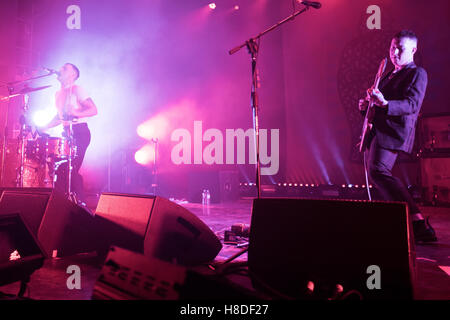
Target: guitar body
367,128
370,113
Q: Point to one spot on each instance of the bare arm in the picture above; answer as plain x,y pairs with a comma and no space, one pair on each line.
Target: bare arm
88,109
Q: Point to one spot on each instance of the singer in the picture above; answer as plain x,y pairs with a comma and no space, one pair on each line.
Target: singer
398,102
73,104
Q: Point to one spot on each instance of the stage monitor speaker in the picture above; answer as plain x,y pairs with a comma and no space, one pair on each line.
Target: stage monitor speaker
360,245
57,223
155,227
20,252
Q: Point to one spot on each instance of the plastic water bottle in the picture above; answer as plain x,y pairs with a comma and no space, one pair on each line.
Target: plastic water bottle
208,198
203,197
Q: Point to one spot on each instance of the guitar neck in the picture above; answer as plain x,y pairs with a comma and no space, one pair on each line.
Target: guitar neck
377,82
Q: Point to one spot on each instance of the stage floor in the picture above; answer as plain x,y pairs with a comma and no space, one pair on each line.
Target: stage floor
49,282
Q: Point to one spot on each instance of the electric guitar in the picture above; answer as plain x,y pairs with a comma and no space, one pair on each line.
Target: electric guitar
370,113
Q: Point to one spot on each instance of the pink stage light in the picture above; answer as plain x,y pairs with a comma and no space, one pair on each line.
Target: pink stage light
145,155
154,128
161,125
212,5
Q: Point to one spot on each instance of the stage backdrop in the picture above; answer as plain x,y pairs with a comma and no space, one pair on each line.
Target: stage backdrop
160,74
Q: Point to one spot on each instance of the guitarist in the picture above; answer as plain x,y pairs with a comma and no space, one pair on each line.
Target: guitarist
397,102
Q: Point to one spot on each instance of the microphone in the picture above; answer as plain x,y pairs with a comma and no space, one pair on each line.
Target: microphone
314,4
51,71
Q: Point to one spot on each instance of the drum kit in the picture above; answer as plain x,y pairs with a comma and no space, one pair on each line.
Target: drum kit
39,158
35,156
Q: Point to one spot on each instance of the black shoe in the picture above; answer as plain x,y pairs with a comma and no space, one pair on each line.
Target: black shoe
423,231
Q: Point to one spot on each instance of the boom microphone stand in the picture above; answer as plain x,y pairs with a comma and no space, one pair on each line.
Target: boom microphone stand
253,48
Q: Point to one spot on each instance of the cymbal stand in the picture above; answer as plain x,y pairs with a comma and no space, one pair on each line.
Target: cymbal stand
5,137
24,130
19,182
154,169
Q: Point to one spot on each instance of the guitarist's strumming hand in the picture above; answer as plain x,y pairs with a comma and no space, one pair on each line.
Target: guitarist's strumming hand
363,104
374,97
377,98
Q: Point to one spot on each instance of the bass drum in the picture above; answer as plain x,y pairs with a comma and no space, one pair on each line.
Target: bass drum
35,168
35,149
36,174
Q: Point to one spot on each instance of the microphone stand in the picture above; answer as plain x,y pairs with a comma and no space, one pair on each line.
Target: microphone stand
29,79
253,47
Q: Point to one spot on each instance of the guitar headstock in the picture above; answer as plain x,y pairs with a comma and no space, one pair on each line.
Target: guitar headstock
382,67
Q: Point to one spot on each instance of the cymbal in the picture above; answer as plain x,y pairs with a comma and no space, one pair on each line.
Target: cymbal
29,89
23,91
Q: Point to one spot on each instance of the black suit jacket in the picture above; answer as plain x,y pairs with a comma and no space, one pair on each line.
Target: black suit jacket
395,126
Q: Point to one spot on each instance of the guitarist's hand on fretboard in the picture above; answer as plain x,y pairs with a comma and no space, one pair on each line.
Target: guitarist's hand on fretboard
377,98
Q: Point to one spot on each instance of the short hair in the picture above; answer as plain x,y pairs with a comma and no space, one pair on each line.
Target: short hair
406,34
75,68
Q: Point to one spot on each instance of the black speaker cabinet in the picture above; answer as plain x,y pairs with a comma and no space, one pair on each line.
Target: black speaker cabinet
56,222
436,180
330,242
20,252
435,130
229,186
155,227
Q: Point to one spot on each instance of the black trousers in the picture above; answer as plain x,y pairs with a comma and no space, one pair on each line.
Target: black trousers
380,162
82,139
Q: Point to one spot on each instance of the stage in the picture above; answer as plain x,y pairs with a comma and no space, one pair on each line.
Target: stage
49,282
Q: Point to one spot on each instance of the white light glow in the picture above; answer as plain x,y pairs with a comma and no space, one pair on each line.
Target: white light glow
43,117
145,155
